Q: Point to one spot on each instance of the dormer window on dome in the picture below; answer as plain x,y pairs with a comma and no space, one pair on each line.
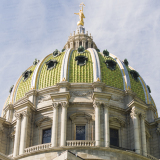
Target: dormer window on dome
56,53
51,64
111,64
26,74
134,75
81,60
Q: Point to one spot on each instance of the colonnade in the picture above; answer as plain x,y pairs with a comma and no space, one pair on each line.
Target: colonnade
22,124
21,133
139,124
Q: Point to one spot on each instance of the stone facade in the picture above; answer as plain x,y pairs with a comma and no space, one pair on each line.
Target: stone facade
69,105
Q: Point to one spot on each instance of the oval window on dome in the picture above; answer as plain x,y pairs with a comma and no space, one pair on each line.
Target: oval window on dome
111,64
51,64
81,60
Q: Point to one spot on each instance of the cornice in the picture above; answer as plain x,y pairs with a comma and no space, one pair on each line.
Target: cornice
99,95
63,84
24,103
137,104
31,92
61,96
48,90
98,85
9,106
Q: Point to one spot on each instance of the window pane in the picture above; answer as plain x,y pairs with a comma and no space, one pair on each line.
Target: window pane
114,138
80,132
46,136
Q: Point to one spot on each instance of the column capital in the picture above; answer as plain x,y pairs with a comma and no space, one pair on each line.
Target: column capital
143,116
96,104
25,114
134,113
106,105
55,105
64,104
18,116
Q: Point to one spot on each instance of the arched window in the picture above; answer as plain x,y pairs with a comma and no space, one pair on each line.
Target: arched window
46,136
114,137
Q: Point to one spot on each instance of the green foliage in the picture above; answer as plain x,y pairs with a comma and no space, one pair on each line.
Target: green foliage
126,62
111,78
98,50
63,50
81,49
105,53
149,89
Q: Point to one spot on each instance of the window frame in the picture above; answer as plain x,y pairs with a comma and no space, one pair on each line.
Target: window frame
42,134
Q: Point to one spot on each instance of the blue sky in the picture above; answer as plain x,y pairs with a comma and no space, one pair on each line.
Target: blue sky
32,29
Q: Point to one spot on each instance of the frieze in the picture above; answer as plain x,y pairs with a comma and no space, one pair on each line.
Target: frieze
44,98
81,93
117,98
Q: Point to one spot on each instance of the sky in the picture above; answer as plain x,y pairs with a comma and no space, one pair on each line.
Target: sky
32,29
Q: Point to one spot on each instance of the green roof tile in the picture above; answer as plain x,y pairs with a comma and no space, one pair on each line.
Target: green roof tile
80,74
49,78
109,77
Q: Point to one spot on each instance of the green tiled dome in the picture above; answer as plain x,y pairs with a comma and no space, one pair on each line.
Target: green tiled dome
41,77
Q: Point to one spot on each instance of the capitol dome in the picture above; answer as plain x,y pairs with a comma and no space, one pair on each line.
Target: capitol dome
80,103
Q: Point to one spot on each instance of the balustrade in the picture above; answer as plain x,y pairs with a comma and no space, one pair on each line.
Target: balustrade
38,147
81,143
151,157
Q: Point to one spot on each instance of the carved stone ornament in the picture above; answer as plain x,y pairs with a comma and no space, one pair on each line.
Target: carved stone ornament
39,122
81,93
134,113
97,104
17,115
44,98
25,114
55,105
64,104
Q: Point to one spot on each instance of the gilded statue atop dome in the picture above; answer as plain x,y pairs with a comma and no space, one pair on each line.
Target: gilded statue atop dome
81,15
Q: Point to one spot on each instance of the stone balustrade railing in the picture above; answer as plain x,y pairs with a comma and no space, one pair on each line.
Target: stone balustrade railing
38,147
151,157
81,143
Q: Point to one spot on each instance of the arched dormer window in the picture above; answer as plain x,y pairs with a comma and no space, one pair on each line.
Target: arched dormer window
51,64
81,60
26,74
111,64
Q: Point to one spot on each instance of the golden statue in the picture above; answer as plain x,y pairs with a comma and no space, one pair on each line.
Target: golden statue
81,15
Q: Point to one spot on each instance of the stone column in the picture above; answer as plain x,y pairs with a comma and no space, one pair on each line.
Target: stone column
17,136
144,146
106,126
24,130
134,115
97,123
64,123
54,125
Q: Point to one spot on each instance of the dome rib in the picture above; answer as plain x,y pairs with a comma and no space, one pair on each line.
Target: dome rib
96,64
65,64
126,80
144,87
